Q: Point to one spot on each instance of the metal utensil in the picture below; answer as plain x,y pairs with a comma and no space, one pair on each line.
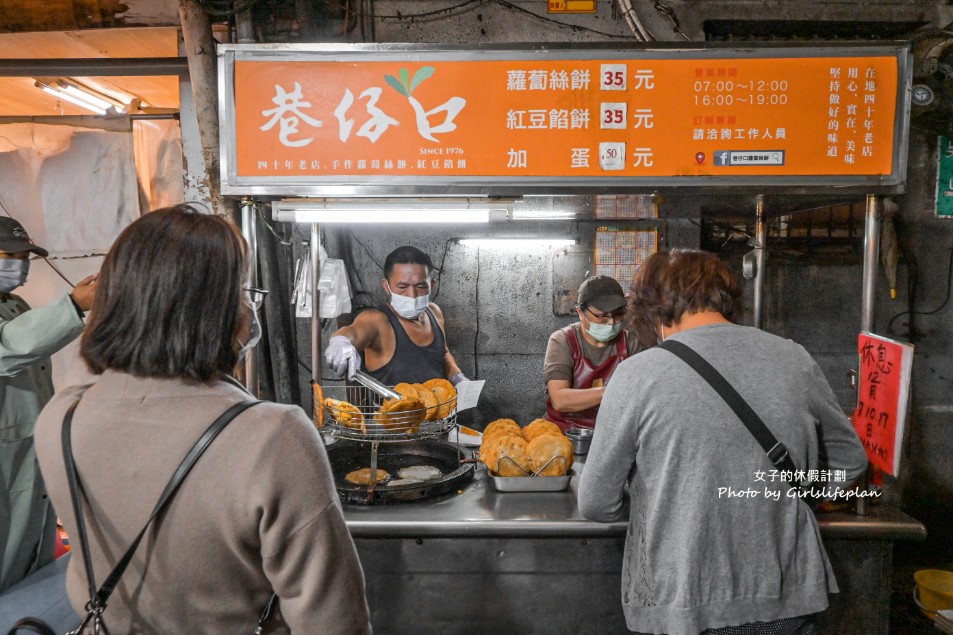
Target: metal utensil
371,383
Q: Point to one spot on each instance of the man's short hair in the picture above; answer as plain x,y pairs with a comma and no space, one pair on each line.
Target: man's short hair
671,284
407,255
170,298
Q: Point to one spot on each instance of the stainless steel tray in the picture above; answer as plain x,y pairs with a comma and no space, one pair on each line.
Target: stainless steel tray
530,483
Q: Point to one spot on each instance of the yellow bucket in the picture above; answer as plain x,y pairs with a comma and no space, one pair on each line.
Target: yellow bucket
934,591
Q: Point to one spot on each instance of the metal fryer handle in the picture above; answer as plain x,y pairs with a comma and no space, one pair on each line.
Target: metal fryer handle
371,383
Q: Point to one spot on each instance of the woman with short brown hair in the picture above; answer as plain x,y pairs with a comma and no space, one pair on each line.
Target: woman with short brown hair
717,542
257,514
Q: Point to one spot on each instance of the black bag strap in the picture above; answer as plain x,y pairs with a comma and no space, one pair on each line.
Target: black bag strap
33,624
777,453
97,602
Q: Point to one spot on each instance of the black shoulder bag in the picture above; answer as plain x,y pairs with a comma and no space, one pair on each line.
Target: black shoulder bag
98,598
777,453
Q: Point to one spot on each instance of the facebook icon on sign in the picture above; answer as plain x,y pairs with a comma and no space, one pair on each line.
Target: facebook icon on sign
748,157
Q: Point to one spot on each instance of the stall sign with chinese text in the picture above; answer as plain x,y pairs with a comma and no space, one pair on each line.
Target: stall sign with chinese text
557,117
880,415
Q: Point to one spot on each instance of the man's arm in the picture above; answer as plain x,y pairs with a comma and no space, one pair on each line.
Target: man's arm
345,345
36,334
565,398
557,366
363,332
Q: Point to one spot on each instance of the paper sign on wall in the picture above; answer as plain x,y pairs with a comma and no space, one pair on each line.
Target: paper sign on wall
880,417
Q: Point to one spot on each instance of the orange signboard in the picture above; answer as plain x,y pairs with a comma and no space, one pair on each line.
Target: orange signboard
311,119
885,371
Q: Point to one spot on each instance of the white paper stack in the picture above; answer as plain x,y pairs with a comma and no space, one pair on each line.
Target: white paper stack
944,621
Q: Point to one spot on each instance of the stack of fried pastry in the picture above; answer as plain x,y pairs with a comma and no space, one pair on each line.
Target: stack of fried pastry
540,448
346,414
432,400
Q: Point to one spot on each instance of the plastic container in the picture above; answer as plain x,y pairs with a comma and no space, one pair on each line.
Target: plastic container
934,591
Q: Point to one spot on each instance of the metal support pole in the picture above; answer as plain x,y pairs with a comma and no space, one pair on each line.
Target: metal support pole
760,239
871,260
250,234
316,356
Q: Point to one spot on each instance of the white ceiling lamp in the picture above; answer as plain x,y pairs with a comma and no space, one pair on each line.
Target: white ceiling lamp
79,95
517,243
543,214
395,210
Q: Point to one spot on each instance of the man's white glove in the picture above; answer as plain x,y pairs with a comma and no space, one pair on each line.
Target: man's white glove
457,377
342,357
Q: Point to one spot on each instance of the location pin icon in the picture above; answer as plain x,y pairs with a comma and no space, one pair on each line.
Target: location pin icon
699,157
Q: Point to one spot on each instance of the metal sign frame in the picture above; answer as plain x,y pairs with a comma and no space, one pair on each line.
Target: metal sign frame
423,185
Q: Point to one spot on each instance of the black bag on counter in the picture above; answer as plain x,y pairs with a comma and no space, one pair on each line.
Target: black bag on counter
93,621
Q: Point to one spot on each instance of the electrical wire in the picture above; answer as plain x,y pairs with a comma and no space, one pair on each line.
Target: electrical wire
447,12
669,13
632,19
367,251
911,334
443,260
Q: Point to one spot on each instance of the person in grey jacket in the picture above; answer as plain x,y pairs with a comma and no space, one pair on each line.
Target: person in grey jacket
719,541
27,339
258,514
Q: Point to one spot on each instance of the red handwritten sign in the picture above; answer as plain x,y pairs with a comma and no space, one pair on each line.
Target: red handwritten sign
882,403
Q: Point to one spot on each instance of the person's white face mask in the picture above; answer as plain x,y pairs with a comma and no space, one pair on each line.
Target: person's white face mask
407,307
13,273
603,332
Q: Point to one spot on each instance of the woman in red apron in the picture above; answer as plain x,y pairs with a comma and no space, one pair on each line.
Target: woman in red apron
581,357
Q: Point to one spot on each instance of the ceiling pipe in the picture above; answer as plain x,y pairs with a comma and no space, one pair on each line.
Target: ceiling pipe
95,67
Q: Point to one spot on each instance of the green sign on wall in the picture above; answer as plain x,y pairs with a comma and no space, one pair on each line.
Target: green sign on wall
944,180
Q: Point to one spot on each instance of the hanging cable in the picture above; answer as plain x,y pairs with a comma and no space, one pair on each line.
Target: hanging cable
47,260
439,270
669,13
911,333
632,18
468,5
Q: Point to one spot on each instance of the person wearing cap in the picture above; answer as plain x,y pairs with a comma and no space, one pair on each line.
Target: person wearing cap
580,358
28,337
404,339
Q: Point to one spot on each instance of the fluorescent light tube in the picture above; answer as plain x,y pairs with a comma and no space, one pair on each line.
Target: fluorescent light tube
389,211
517,243
59,94
394,215
539,214
88,97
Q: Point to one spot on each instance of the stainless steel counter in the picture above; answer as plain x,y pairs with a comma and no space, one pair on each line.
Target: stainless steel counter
479,511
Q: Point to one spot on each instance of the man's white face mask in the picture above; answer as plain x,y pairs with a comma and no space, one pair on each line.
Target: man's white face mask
407,307
13,273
